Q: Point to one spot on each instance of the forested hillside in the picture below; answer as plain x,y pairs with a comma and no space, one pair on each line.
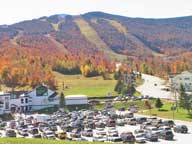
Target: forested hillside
90,44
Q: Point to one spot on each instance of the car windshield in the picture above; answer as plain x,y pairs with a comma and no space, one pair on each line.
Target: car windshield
169,133
49,133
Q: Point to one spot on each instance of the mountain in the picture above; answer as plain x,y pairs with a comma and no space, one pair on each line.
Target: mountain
97,31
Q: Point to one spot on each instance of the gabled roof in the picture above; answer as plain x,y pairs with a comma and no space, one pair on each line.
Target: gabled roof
53,95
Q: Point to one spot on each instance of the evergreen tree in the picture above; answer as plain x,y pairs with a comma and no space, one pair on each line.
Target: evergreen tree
158,103
182,97
62,100
119,86
185,100
117,75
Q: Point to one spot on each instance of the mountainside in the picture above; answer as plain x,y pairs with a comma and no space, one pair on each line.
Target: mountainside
96,31
90,44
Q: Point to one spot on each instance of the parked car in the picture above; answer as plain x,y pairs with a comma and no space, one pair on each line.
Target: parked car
33,131
61,135
166,134
127,137
140,138
49,134
99,135
151,137
114,139
36,135
145,124
100,138
180,129
129,115
99,125
87,133
42,126
120,122
169,123
139,131
23,132
132,121
10,133
53,127
111,123
75,133
141,120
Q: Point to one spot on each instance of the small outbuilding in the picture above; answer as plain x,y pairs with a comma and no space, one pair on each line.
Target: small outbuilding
76,100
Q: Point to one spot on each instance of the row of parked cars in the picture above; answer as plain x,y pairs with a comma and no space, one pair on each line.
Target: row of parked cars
132,98
93,125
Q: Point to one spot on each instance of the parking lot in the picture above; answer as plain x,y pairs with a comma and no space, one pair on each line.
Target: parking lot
106,126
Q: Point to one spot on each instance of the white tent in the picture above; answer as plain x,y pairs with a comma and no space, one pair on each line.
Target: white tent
76,100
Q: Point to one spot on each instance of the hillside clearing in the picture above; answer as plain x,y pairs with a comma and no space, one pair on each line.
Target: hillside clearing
77,84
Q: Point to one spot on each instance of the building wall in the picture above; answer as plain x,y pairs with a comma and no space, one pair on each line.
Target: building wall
26,102
5,106
40,102
76,101
185,79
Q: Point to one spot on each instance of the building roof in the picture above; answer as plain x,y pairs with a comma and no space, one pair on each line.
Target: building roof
75,96
3,93
53,95
186,73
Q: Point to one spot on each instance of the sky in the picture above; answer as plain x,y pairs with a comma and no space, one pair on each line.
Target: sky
12,11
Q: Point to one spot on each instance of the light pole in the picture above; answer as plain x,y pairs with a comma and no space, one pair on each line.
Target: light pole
173,108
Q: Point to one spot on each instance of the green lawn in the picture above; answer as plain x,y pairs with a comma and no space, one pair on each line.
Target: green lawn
40,141
77,84
165,111
126,105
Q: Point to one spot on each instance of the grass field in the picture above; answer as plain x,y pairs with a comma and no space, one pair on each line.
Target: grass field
40,141
77,84
124,104
164,112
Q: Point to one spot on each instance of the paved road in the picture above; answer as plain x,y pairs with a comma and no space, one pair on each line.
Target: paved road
153,86
178,138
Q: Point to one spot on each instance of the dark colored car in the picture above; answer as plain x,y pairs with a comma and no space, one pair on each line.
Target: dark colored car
111,123
132,121
169,123
180,129
36,136
127,137
151,137
87,133
10,133
99,125
167,135
141,120
33,131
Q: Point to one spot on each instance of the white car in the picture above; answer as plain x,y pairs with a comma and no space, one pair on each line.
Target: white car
49,135
99,138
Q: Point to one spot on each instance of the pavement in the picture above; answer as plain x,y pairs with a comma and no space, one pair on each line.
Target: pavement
178,137
153,86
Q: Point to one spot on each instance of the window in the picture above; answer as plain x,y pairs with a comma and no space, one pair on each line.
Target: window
7,105
187,78
22,101
42,91
26,100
